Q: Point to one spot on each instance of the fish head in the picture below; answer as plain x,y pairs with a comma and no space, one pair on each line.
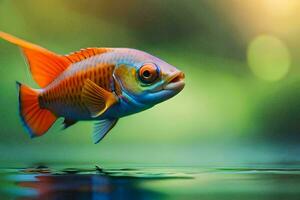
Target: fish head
147,79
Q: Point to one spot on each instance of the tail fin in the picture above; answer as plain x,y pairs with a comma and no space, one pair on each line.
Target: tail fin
36,120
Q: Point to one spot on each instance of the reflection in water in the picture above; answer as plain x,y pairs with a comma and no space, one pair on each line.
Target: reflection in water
85,187
43,183
150,183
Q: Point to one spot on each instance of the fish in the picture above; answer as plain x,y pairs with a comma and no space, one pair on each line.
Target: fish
93,84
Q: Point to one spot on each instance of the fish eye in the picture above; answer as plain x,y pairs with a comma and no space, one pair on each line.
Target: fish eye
148,73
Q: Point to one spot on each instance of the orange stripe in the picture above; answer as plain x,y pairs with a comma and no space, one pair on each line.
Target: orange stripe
68,91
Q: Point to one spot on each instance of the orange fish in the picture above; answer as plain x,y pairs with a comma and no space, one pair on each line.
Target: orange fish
98,84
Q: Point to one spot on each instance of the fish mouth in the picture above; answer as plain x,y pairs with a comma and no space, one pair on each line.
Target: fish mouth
175,82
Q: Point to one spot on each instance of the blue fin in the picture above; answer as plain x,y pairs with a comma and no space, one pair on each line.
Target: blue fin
102,127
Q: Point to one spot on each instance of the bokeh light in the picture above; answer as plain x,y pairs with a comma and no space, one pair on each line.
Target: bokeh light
280,8
268,58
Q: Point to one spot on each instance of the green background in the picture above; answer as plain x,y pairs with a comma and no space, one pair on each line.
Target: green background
241,103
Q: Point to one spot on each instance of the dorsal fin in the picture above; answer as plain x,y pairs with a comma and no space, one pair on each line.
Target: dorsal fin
85,53
44,65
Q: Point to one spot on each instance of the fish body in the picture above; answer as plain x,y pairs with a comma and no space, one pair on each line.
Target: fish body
97,84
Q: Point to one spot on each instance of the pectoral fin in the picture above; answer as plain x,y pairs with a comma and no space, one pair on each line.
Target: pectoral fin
102,127
97,99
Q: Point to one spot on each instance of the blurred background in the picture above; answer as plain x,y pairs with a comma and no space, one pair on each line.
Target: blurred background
241,103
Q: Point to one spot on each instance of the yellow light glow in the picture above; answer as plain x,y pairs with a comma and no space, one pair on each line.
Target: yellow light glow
268,57
280,7
276,17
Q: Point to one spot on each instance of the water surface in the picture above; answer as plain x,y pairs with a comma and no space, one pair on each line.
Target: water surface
93,182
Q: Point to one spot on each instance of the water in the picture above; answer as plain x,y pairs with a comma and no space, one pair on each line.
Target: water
93,182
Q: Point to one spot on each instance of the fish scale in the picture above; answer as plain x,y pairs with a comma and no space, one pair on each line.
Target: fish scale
62,91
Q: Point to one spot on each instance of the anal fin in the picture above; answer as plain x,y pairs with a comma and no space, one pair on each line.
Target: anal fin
101,128
68,122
